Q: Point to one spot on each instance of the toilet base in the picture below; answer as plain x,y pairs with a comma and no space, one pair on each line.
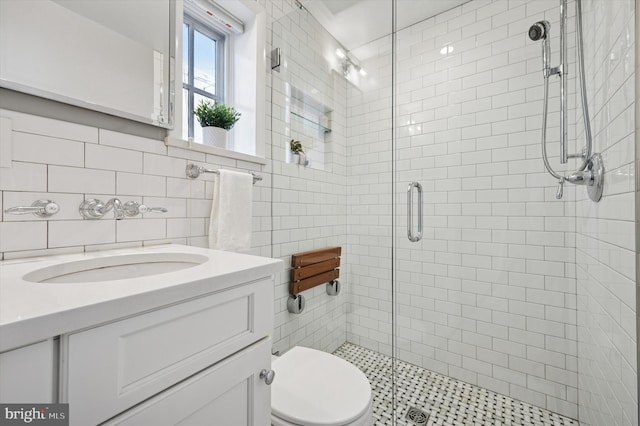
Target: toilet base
365,420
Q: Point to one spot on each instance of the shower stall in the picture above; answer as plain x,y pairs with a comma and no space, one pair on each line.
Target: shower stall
463,259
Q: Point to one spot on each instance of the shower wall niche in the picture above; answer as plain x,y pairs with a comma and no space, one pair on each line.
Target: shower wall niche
309,121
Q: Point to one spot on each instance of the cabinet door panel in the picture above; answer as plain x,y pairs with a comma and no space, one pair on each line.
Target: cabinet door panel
26,374
228,393
113,367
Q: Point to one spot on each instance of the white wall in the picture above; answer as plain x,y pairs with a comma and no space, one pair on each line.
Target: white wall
606,232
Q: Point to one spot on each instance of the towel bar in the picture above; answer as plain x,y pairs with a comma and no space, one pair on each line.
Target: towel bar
193,171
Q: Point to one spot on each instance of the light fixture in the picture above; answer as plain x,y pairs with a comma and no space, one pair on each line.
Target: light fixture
348,65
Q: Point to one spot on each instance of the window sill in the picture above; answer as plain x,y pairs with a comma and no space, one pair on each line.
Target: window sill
220,152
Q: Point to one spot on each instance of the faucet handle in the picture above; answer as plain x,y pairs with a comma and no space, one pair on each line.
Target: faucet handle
133,208
91,208
560,192
42,208
145,209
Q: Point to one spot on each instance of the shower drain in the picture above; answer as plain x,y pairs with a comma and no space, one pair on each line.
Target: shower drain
417,416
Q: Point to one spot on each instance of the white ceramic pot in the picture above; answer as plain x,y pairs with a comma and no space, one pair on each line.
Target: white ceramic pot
215,136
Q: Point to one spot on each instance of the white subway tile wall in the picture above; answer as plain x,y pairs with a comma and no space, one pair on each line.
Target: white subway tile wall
605,237
309,203
488,296
68,163
507,290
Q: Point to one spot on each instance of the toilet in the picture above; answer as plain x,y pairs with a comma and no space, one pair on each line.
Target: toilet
314,388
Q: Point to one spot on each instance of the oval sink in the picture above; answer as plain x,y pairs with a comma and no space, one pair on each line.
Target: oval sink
112,268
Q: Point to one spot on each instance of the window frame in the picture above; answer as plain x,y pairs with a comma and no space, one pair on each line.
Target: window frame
221,40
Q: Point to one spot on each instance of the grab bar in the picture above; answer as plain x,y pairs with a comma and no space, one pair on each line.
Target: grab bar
410,235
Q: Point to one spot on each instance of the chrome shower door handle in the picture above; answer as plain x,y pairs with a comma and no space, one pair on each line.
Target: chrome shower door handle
418,236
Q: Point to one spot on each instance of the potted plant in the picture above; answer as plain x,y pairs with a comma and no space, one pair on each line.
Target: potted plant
216,120
297,151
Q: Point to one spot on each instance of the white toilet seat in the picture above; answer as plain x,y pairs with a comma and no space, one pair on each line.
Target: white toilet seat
366,420
314,388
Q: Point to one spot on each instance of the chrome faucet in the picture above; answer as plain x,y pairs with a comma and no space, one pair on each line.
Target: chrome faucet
95,209
115,205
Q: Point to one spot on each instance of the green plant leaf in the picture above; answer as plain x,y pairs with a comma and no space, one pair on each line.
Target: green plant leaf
296,146
216,114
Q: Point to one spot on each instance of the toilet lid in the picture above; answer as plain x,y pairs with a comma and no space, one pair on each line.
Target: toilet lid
314,388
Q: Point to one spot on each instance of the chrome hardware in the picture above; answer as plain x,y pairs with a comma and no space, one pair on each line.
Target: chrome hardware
555,71
590,172
581,178
96,209
592,178
564,91
560,192
334,287
410,235
295,303
582,154
133,208
42,208
267,376
275,59
193,171
596,168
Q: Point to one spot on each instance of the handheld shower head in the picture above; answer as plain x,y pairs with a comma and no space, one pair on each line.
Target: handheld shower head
539,30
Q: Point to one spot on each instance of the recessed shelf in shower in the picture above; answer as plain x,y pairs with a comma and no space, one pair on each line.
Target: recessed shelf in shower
309,121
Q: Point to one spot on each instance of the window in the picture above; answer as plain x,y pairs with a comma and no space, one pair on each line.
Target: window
239,32
202,72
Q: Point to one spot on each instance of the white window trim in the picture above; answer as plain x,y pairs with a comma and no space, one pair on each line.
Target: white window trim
221,57
247,64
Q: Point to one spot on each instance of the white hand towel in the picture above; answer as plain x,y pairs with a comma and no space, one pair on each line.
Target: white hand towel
230,224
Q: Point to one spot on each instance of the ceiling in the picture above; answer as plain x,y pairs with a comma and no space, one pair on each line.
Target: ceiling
354,23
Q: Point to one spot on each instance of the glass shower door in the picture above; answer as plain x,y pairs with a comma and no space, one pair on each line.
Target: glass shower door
485,298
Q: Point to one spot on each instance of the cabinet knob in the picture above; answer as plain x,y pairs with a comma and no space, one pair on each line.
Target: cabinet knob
267,376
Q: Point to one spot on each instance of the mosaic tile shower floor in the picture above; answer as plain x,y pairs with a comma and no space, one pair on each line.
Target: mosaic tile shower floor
447,401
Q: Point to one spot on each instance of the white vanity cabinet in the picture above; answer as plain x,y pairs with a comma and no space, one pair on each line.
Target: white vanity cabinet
27,374
228,393
196,358
155,348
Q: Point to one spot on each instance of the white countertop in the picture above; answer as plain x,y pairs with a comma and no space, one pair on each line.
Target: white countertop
31,311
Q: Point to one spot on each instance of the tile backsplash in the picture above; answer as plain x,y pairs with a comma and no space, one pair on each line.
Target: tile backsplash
68,163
